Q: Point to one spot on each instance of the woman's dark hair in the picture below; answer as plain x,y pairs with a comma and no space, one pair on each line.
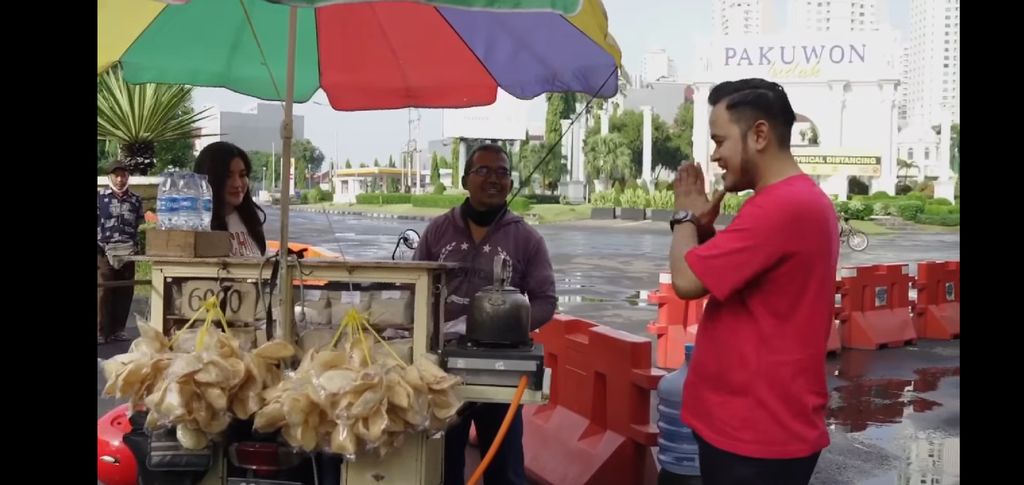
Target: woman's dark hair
214,161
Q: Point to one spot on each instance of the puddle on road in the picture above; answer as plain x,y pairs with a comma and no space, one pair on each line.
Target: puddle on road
636,298
881,412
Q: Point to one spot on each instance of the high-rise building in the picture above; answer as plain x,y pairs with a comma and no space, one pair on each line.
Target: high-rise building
657,66
838,15
933,71
903,94
738,17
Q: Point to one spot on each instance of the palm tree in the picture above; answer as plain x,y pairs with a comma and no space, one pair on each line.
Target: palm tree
137,117
904,167
608,158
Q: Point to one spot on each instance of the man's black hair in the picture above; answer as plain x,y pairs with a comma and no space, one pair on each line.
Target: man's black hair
486,147
751,100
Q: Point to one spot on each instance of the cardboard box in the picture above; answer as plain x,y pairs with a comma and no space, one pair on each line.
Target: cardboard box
188,244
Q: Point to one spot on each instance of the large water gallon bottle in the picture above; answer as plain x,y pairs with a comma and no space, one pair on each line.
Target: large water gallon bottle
167,201
188,202
677,448
205,201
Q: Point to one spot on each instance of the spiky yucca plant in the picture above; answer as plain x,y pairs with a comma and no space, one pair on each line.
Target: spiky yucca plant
138,116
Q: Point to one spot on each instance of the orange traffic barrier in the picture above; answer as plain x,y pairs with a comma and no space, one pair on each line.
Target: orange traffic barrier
876,307
676,324
597,426
937,311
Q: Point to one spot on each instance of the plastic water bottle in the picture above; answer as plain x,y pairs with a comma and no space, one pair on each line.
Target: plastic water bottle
677,448
188,202
205,201
167,201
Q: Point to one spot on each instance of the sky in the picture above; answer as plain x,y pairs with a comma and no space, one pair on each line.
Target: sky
637,25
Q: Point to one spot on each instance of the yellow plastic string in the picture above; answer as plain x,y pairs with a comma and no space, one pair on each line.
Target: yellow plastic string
212,306
386,346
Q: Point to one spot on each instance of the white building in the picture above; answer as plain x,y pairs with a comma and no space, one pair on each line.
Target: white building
257,128
933,74
738,17
838,15
657,66
904,89
842,84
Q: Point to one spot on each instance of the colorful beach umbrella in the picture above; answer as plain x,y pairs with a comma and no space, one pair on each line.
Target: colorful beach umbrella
366,55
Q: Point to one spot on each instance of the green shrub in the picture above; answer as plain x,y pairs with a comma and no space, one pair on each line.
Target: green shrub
439,189
544,198
636,198
936,210
732,203
607,198
379,198
437,201
520,205
918,196
954,209
948,220
859,211
909,210
663,199
881,194
939,201
632,185
663,185
316,196
841,206
881,208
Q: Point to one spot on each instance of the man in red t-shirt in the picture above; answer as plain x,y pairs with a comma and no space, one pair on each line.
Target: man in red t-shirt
755,394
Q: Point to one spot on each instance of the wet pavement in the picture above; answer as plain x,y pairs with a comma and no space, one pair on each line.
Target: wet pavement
894,414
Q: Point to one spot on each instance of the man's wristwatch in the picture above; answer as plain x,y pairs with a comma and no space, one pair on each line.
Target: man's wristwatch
680,217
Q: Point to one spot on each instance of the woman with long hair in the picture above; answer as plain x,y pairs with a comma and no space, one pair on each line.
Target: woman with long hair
227,168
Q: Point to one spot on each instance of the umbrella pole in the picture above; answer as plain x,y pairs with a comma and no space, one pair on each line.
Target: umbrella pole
285,312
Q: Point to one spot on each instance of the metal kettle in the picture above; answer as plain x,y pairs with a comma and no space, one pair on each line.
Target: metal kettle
499,314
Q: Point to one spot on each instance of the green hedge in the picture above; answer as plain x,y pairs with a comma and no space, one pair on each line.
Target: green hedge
607,198
382,199
909,210
440,201
543,198
949,220
448,201
316,196
939,201
663,199
732,203
859,211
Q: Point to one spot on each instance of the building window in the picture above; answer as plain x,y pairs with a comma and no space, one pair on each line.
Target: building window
910,153
927,154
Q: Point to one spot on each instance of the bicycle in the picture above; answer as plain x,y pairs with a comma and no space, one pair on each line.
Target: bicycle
856,239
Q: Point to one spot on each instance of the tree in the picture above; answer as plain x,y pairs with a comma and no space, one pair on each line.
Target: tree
442,162
680,138
260,165
550,171
629,124
106,152
455,163
137,117
178,153
308,159
954,149
904,167
363,165
560,107
376,163
348,163
608,158
435,170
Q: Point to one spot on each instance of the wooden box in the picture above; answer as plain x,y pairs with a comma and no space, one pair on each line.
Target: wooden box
188,244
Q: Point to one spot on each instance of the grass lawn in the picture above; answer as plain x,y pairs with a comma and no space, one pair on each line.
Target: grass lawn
869,228
550,213
403,209
943,229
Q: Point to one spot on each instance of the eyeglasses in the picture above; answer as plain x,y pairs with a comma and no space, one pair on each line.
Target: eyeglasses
500,173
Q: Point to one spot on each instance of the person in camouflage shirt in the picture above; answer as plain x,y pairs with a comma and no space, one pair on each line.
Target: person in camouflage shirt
118,216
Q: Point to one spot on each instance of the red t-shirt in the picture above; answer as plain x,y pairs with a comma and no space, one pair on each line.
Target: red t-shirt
756,384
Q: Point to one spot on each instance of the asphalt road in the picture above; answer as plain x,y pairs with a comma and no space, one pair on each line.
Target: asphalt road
894,414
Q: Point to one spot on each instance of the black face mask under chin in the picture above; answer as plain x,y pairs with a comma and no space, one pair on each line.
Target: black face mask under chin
482,218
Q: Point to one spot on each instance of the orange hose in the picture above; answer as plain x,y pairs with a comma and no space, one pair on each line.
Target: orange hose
479,472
